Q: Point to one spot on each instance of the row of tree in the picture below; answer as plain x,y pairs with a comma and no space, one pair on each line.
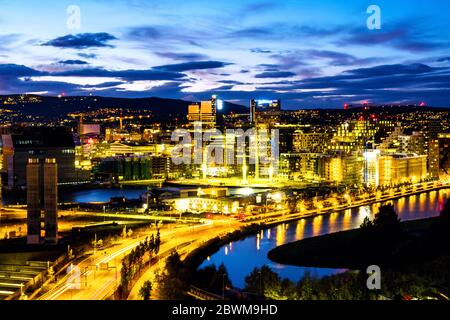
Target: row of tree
135,261
423,278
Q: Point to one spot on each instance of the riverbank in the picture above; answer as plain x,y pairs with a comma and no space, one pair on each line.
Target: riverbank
352,250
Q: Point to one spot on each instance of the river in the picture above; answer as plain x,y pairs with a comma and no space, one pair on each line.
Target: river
241,257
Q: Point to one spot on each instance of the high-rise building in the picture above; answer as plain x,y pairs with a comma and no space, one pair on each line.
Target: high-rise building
440,155
265,112
310,142
40,142
399,168
371,174
353,136
42,201
204,112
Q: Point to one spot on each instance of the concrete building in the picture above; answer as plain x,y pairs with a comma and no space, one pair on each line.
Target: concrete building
42,201
39,142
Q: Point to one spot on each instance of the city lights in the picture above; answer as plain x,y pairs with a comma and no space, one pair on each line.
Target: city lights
245,152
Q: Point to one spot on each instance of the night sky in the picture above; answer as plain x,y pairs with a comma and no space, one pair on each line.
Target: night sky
306,53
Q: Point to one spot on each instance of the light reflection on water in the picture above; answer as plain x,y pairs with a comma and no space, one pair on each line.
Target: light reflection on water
252,251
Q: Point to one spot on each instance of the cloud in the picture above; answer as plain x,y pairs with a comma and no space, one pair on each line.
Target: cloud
182,56
253,32
259,7
165,37
87,55
82,40
400,36
196,65
275,74
301,58
145,32
16,71
73,62
129,75
259,50
8,39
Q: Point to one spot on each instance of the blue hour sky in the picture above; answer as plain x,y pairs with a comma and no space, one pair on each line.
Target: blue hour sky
306,53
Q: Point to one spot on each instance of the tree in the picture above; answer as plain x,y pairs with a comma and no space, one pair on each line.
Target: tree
172,282
387,222
263,281
213,279
367,224
145,291
445,212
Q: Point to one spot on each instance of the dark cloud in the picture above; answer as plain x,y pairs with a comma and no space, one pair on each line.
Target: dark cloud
87,55
145,32
378,84
275,74
444,59
129,75
401,36
16,71
260,7
182,56
254,32
164,37
301,58
231,82
195,65
337,58
82,40
259,50
73,62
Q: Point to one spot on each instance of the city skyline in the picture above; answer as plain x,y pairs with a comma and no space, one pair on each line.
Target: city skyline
315,56
248,151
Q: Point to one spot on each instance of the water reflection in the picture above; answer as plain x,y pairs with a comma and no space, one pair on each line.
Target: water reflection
252,251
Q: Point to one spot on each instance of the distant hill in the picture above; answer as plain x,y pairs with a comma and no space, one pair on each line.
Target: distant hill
55,107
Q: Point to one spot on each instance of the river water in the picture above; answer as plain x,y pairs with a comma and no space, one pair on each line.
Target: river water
241,257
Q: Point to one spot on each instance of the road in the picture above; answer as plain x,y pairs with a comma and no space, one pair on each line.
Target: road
96,284
184,243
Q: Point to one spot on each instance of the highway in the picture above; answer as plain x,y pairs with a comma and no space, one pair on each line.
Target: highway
185,242
97,284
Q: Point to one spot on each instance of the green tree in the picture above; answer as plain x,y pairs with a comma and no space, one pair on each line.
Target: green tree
172,282
387,219
367,224
145,291
263,281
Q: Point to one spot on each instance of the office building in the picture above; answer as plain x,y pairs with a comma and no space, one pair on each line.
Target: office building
40,142
265,112
203,112
42,201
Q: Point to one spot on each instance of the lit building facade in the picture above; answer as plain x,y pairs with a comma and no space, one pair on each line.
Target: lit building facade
265,112
400,168
204,112
40,142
